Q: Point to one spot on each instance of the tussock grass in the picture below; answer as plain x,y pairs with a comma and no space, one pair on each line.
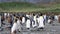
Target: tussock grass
28,7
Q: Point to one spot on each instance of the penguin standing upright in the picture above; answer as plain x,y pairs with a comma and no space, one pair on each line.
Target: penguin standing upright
44,19
19,24
35,21
41,22
14,27
23,19
28,22
56,17
5,15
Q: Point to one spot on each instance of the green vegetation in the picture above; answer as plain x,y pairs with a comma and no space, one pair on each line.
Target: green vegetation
28,7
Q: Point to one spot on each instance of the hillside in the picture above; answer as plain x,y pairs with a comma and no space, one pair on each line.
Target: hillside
28,7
